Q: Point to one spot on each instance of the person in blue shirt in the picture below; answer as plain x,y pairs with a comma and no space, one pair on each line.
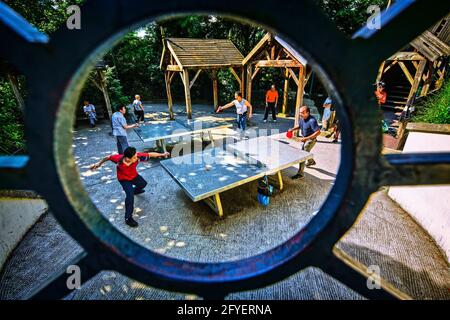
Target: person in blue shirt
120,127
90,112
310,131
327,112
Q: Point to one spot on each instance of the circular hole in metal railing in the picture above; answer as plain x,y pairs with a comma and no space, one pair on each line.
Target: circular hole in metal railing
166,269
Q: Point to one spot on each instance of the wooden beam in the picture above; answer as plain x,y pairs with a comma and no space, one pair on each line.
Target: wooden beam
249,83
380,71
272,53
15,86
182,77
242,86
406,72
195,78
187,93
390,66
267,55
215,89
105,92
278,63
416,82
406,56
171,76
293,75
428,80
285,91
173,67
255,72
299,98
167,77
95,83
235,75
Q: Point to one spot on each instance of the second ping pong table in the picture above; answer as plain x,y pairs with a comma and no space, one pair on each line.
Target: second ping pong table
159,131
204,175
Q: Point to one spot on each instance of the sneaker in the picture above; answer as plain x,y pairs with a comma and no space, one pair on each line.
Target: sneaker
275,121
310,163
298,176
138,191
335,141
264,120
131,222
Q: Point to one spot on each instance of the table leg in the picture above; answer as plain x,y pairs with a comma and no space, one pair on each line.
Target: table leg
214,203
211,139
163,145
279,178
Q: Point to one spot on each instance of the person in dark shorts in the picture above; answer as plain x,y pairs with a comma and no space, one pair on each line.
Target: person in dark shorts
132,183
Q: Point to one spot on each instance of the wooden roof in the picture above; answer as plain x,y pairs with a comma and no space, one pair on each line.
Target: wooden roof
268,37
442,29
206,53
430,46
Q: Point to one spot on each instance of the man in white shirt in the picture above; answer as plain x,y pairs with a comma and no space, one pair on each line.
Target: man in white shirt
90,112
120,127
242,106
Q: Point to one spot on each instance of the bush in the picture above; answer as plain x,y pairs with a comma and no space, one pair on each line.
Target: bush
436,107
11,122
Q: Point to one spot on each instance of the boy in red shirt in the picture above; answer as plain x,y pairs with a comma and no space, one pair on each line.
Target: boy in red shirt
128,176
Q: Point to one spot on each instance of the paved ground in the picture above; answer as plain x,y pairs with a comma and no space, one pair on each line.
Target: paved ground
171,224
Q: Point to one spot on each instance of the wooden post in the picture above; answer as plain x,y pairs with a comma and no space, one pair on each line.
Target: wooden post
215,89
285,91
168,79
187,93
299,99
105,92
243,81
249,83
429,79
15,86
416,81
380,71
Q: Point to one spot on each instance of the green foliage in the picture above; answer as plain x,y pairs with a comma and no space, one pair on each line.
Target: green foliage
11,122
436,108
46,15
349,15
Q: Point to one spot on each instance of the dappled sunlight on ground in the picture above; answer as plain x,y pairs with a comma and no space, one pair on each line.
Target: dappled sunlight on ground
171,224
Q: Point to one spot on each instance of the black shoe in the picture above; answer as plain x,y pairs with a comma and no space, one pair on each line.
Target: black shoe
335,141
138,191
310,163
131,222
298,176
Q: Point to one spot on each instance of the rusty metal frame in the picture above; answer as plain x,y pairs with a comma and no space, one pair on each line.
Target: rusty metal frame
346,66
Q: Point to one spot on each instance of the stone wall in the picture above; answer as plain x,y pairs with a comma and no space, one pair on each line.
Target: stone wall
428,205
19,211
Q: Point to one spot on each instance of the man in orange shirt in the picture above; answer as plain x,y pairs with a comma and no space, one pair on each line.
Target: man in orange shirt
271,103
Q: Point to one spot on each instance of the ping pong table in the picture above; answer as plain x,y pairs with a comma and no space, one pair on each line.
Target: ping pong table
159,131
204,175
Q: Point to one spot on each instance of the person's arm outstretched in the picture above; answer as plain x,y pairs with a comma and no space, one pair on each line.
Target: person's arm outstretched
228,105
99,164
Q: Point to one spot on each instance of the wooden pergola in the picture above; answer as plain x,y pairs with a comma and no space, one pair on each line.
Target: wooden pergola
422,64
272,51
185,55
